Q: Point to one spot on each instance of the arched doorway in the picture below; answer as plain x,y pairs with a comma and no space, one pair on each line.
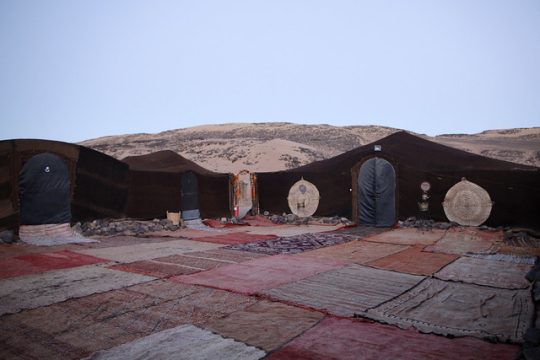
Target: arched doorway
376,199
44,191
189,201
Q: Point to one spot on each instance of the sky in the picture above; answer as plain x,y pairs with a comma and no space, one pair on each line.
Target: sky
74,70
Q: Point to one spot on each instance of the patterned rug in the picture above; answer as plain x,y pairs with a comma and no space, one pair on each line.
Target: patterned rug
456,309
295,244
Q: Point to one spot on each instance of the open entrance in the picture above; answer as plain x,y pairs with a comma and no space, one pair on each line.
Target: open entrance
377,193
243,193
189,201
44,191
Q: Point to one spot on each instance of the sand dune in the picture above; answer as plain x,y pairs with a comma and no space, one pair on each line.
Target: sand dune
277,146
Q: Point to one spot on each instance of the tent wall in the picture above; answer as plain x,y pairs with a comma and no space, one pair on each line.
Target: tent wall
13,155
273,189
98,183
514,188
156,186
153,193
101,186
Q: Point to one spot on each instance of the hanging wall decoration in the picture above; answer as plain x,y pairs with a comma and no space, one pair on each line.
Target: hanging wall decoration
303,198
467,204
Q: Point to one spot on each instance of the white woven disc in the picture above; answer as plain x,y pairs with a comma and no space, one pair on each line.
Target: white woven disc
303,198
467,204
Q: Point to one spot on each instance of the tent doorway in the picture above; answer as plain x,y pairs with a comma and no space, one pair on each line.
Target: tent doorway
376,193
189,196
243,193
44,191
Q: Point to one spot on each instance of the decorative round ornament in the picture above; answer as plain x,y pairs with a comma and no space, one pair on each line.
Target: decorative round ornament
425,186
303,198
467,204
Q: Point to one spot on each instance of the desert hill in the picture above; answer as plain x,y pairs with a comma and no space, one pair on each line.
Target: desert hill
277,146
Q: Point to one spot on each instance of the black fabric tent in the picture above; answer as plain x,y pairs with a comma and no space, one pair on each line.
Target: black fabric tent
157,182
44,191
98,184
514,188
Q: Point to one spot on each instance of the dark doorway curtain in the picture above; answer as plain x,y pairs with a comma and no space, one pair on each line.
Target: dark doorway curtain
190,196
376,193
44,191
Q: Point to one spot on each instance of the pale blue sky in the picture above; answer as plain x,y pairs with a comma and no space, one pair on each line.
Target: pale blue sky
74,70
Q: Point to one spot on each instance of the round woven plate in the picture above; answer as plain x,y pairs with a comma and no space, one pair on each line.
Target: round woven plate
467,204
303,198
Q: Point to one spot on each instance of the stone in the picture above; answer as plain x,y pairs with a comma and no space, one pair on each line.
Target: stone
7,237
291,218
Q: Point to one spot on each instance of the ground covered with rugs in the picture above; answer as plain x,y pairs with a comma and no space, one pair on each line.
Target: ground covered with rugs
266,291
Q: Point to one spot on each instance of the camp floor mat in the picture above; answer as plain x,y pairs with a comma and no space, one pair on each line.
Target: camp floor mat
450,308
235,238
255,275
361,231
122,240
108,319
291,230
351,340
19,248
414,261
359,252
148,251
154,268
203,306
13,267
163,289
408,236
461,241
346,291
516,259
41,262
57,260
193,262
21,341
183,342
294,244
267,325
518,250
500,274
74,316
58,285
221,254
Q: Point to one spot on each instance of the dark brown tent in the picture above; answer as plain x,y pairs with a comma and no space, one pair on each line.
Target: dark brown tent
156,186
98,183
514,188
